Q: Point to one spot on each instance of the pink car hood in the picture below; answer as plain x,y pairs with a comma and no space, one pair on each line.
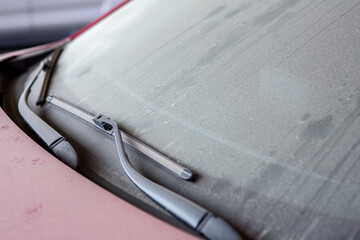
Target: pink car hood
41,198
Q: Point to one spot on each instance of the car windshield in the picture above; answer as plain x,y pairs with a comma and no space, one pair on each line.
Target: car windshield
259,98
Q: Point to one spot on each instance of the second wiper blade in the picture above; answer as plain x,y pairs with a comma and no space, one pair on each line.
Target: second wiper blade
48,67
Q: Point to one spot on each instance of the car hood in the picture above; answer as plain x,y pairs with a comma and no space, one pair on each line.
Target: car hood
42,198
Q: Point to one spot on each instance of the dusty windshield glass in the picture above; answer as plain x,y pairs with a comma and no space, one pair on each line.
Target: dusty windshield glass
260,95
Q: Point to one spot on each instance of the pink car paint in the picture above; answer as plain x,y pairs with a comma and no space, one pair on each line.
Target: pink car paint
42,198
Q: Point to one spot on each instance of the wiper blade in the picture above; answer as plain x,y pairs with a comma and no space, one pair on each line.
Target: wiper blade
48,67
55,141
164,161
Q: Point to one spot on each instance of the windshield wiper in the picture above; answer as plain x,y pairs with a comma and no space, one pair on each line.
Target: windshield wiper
164,161
198,218
48,67
54,141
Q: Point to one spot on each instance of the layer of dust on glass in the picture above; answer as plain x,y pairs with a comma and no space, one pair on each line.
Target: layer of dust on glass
263,95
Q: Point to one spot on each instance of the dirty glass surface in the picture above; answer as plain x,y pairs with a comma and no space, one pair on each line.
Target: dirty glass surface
255,95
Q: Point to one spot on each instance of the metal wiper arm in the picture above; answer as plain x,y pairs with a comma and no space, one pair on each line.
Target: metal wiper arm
55,142
200,219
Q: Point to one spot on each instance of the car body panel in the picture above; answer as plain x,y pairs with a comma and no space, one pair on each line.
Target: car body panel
41,198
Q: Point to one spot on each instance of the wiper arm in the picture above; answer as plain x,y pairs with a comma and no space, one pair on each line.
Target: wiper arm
55,142
200,219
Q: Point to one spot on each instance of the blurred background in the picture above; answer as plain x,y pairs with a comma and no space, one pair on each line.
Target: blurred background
25,23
